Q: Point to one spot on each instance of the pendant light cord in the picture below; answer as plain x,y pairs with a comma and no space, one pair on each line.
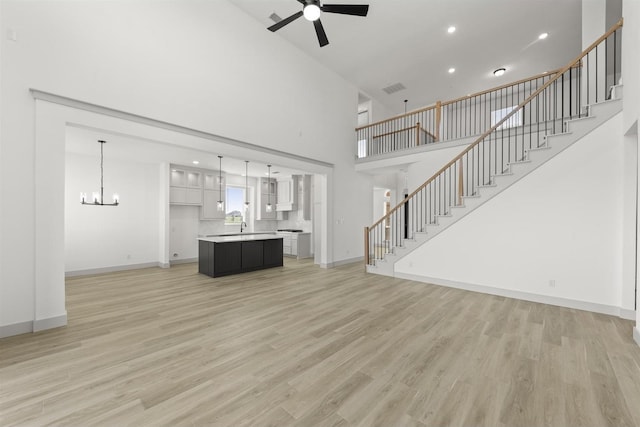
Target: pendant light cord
101,171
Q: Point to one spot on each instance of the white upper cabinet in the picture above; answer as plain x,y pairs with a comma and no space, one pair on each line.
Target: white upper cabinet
287,194
185,186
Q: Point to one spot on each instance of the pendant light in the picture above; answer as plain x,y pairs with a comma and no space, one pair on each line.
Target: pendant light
269,207
220,202
246,185
98,198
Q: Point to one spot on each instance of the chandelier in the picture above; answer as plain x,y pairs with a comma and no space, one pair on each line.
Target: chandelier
97,198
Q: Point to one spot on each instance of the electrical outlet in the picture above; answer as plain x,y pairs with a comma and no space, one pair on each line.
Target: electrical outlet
552,283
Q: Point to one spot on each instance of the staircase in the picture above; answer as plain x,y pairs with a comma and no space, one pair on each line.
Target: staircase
553,144
575,101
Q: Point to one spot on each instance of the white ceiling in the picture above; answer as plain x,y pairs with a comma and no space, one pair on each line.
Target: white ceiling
400,41
406,41
84,141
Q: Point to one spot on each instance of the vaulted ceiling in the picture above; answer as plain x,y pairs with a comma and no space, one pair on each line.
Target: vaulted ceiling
407,42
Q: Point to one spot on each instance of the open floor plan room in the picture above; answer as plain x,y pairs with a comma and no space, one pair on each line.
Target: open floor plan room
305,346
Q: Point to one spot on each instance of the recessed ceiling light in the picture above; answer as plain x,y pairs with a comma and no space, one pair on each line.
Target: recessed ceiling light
195,162
499,72
451,29
543,36
452,70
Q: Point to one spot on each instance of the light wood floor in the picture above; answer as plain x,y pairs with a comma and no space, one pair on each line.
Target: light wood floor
303,346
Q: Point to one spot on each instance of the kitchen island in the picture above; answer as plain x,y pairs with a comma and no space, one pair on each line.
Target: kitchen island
232,254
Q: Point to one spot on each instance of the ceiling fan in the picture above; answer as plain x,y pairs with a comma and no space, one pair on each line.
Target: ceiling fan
311,11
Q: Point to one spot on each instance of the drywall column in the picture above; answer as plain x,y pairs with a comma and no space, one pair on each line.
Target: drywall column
49,295
631,111
629,138
628,231
163,220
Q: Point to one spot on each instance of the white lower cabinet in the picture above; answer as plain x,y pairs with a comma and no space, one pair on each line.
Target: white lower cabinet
296,244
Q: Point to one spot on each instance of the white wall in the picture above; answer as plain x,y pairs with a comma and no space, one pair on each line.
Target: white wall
184,229
379,199
631,62
631,103
199,64
594,14
562,222
100,237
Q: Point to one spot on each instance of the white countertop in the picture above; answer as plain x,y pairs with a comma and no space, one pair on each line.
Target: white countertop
293,232
240,238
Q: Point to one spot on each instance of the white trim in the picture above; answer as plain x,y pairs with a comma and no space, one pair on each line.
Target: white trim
86,106
627,314
183,261
16,329
33,326
636,335
50,322
342,262
526,296
112,269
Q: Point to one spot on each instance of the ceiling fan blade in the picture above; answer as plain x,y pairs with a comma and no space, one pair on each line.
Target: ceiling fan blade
285,21
322,36
346,9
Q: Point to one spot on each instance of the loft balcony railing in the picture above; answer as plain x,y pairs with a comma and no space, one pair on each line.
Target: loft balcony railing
549,103
466,117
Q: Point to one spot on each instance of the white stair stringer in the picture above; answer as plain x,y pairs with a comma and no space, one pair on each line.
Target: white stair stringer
576,129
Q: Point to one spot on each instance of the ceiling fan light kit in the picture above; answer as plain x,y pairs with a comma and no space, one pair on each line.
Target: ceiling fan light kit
312,10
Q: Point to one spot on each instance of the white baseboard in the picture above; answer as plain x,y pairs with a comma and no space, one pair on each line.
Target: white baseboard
625,313
50,322
183,261
33,326
113,269
526,296
16,329
636,335
343,262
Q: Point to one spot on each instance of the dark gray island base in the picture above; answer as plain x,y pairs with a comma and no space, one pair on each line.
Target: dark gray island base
225,255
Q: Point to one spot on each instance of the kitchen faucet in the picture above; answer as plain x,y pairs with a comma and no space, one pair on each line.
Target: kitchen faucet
243,224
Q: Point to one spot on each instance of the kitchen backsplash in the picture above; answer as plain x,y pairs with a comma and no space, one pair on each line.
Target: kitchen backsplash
295,221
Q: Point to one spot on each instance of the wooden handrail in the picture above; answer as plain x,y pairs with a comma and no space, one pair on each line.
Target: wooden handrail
506,85
399,116
394,131
404,130
439,104
428,133
504,119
